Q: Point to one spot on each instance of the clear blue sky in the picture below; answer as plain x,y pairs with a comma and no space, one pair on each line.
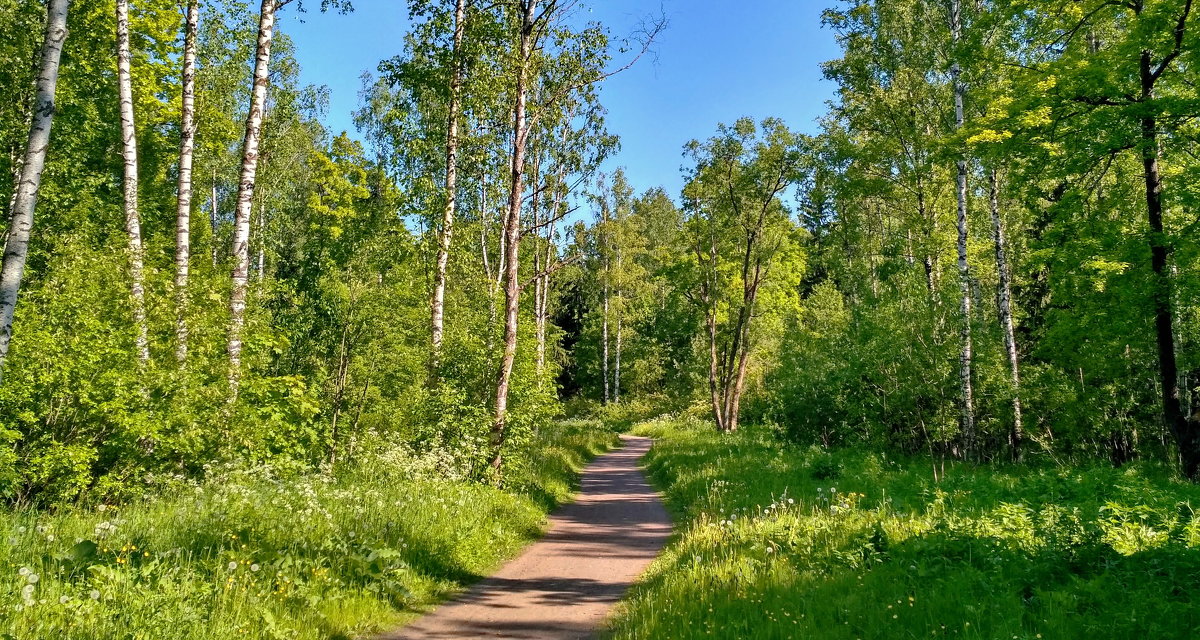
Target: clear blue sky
717,61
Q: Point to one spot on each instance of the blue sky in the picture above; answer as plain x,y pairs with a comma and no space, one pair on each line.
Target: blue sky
717,61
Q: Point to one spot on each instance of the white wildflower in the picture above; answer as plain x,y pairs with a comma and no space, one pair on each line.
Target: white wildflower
94,594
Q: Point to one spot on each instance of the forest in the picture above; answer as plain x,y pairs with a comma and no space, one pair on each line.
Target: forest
939,350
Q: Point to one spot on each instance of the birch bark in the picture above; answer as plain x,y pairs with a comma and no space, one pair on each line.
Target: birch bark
245,199
445,235
133,223
183,215
967,415
512,233
1004,308
16,247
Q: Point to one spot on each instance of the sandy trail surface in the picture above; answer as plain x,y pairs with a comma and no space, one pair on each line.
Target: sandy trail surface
564,585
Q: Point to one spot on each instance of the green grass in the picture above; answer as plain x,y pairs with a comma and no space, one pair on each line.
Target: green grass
788,542
248,555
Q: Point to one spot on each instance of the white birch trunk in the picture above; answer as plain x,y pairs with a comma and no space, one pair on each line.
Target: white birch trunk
538,292
967,417
512,233
604,338
617,364
16,248
261,270
606,275
620,318
245,199
183,216
213,218
1004,308
133,223
445,235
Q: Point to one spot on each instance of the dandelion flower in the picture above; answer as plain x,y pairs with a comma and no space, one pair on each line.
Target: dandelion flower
32,578
64,599
254,567
94,594
232,566
23,571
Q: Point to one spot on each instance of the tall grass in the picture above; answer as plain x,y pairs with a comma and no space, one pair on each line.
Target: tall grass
248,554
785,542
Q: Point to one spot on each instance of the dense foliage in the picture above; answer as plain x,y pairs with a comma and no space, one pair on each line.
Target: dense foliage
985,254
1070,245
327,355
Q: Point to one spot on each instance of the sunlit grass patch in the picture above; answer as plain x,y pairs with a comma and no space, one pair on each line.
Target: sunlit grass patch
787,542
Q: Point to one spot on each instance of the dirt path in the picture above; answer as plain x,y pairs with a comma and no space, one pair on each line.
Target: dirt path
564,585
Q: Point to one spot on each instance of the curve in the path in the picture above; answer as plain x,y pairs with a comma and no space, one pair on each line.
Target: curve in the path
564,585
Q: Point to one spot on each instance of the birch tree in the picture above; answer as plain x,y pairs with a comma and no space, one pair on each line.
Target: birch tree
249,172
738,228
965,359
582,58
183,216
16,246
245,197
129,153
446,231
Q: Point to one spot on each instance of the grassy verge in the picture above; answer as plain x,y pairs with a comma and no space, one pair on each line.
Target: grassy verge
252,556
780,542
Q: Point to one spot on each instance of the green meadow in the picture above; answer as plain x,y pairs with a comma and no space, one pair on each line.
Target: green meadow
250,554
778,541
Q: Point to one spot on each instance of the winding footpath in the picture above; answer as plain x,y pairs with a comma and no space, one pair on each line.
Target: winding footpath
563,586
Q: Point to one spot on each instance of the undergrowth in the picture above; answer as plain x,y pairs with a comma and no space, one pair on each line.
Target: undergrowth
778,541
249,554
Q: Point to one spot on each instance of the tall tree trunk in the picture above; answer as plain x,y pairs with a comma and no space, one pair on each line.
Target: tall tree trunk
213,218
16,249
133,223
714,371
492,280
339,389
542,310
617,361
928,260
183,215
445,234
604,338
967,417
1185,430
245,199
620,317
261,269
1004,308
512,234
